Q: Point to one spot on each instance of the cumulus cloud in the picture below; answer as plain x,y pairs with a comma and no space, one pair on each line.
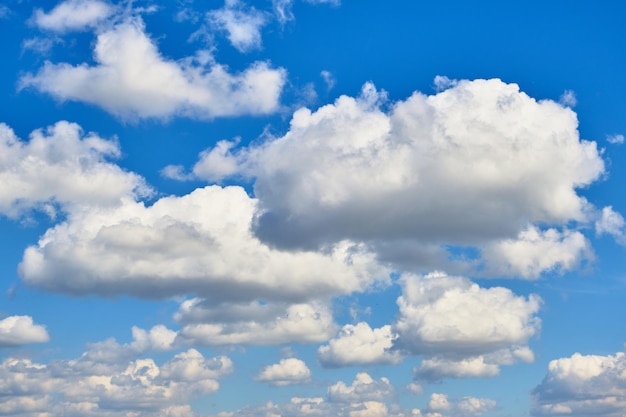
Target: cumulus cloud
131,79
452,317
254,323
473,164
90,388
468,406
359,345
363,388
20,330
536,251
242,27
62,165
583,385
199,243
73,15
289,371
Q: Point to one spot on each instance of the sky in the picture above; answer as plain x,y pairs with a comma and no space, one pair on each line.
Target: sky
312,208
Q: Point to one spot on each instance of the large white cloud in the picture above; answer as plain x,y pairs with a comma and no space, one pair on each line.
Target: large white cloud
288,371
199,243
61,165
473,164
454,318
20,330
583,385
131,79
73,15
84,387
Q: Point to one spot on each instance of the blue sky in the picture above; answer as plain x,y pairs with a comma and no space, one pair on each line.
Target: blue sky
312,208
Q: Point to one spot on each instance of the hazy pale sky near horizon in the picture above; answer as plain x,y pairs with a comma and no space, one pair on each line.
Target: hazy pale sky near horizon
312,208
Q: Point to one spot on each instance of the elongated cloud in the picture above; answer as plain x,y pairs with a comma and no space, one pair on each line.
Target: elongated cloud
131,79
199,244
287,372
73,15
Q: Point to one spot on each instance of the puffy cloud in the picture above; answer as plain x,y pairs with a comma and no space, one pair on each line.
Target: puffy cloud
253,323
468,406
288,371
434,369
199,243
87,388
20,330
363,388
61,165
471,165
131,79
454,318
73,15
583,385
359,345
535,251
243,27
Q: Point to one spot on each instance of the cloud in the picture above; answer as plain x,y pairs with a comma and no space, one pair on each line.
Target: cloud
583,385
62,165
611,223
359,345
434,369
568,98
243,27
199,244
131,79
73,15
471,165
535,251
468,406
254,323
452,317
329,79
615,139
289,371
20,330
90,388
363,388
282,10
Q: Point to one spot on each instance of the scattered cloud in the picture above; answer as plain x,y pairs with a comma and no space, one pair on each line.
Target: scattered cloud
289,371
615,139
568,98
71,15
20,330
329,79
583,385
363,388
90,388
611,223
468,406
242,26
131,79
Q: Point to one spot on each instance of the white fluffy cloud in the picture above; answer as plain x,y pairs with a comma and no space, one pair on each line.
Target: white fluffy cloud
243,27
454,318
288,371
90,388
20,330
61,165
535,251
131,79
359,345
473,164
440,405
199,243
363,388
612,223
73,15
583,385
